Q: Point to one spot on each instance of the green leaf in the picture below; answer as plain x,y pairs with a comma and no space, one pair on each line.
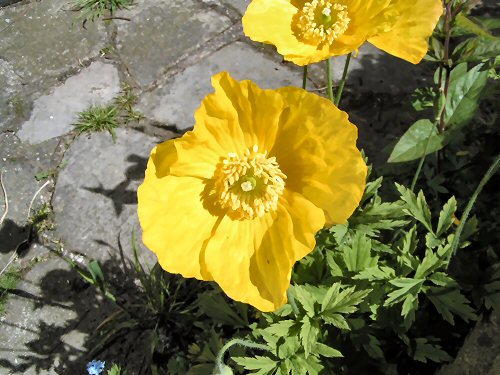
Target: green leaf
372,188
326,351
424,351
335,320
357,256
446,216
376,273
309,332
281,329
216,307
344,301
339,231
265,364
471,25
96,272
429,264
405,287
464,93
477,49
305,298
410,305
416,206
449,301
373,347
422,138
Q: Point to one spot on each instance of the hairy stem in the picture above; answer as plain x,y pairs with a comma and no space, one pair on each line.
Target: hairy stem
246,344
342,81
489,173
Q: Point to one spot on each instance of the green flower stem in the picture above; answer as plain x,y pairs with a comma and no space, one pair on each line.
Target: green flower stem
246,344
421,162
291,299
342,82
304,78
329,79
489,173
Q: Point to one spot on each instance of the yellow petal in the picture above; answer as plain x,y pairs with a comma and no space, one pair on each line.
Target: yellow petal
408,37
174,222
252,260
270,21
316,149
238,115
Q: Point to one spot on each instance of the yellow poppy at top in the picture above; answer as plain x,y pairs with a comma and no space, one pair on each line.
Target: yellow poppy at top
308,31
239,199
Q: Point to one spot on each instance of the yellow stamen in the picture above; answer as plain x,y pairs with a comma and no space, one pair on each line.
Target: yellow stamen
250,185
321,22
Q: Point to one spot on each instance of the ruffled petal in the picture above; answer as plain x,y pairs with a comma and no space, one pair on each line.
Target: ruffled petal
174,221
408,38
234,118
316,150
270,21
252,260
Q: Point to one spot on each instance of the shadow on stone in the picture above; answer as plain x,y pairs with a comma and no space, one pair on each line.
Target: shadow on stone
121,194
53,319
12,236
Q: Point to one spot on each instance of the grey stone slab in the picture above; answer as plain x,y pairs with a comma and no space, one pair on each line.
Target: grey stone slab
45,38
12,104
161,31
19,163
54,114
175,102
480,354
95,200
50,322
240,5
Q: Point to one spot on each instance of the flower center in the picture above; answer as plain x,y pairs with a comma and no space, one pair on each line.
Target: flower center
321,22
248,186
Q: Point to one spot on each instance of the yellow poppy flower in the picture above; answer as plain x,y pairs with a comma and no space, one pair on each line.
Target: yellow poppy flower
238,200
306,32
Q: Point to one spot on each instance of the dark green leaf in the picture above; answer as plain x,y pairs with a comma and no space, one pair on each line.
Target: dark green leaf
446,216
449,301
422,138
326,351
464,93
358,256
424,350
477,49
405,287
416,206
265,364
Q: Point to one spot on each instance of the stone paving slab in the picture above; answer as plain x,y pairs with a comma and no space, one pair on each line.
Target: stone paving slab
54,114
12,104
50,321
45,38
162,31
175,102
95,200
19,164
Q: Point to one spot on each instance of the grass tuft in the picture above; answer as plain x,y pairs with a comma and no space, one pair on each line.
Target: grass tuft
42,219
98,119
8,281
93,9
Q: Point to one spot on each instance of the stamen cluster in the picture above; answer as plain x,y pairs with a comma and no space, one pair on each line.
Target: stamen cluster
321,21
248,186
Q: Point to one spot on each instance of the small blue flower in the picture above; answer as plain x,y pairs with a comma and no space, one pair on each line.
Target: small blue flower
95,367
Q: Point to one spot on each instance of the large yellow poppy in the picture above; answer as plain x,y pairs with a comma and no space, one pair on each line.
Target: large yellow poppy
239,199
306,32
